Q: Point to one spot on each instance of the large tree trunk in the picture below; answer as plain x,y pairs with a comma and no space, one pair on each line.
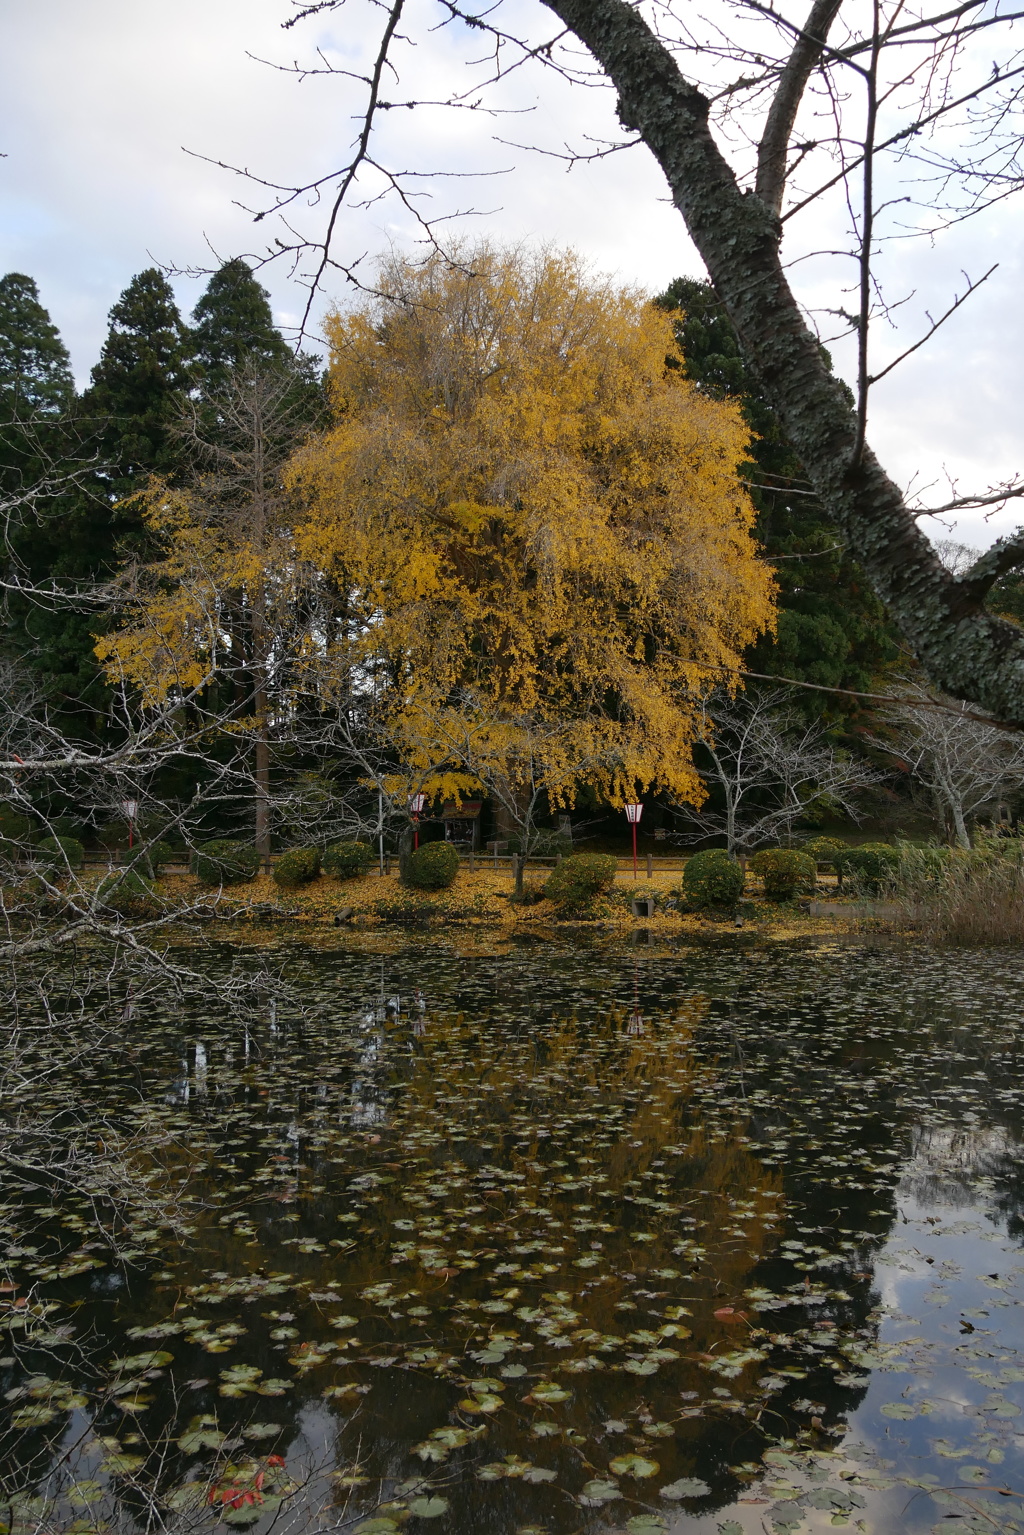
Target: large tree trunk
965,650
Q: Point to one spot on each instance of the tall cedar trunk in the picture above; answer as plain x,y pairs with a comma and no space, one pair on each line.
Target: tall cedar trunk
965,650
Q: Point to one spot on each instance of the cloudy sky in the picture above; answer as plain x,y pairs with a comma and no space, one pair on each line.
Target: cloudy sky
100,104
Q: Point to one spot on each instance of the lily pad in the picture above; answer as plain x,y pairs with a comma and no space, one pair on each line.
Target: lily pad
428,1508
546,1391
634,1465
598,1491
132,1364
486,1402
686,1487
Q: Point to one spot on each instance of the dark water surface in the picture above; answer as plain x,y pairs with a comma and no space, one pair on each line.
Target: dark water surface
721,1240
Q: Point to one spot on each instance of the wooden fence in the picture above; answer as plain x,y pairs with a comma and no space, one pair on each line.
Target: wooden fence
648,865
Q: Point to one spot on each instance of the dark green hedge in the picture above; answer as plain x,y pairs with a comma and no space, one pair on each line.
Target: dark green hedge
347,860
785,872
432,867
61,852
577,881
224,862
297,867
711,879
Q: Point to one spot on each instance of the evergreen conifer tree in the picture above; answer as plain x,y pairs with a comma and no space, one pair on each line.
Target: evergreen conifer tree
35,369
233,323
832,630
43,480
36,392
138,386
125,422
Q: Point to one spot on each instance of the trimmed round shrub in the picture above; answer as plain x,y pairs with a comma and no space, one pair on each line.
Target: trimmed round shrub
66,826
149,859
224,862
61,852
711,879
348,860
871,864
13,826
128,893
112,835
576,882
826,850
297,867
785,871
433,866
160,854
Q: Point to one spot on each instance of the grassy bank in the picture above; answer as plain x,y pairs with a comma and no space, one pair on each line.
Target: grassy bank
482,898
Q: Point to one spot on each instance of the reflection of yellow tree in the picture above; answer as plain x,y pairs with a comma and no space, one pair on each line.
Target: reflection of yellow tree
599,1114
540,519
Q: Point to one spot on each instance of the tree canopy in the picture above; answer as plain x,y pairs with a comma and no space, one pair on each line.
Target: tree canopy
540,519
233,322
35,369
832,629
139,381
754,118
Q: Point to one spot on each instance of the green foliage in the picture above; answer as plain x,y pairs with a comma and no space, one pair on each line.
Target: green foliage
112,835
137,391
544,843
35,369
233,324
124,422
14,827
152,857
129,893
871,865
785,871
61,852
66,826
432,867
826,850
575,883
297,867
348,860
712,878
40,441
224,862
831,628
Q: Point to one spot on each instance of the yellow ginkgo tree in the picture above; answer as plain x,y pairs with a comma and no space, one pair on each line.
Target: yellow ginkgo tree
540,521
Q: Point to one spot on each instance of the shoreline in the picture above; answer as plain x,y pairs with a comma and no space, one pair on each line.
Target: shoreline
480,900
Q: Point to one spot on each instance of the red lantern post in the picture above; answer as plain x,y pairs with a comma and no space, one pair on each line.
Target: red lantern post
416,804
633,814
131,810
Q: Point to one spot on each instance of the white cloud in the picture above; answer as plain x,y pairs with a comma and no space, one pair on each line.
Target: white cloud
98,101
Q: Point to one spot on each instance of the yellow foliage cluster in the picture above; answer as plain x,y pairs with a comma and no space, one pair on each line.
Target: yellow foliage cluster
181,612
173,634
540,521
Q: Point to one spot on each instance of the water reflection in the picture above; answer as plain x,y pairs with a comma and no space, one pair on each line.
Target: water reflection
611,1244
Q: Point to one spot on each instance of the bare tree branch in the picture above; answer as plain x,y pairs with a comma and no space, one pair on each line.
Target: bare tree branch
773,150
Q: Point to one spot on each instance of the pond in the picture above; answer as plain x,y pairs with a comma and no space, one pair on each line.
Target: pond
725,1239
